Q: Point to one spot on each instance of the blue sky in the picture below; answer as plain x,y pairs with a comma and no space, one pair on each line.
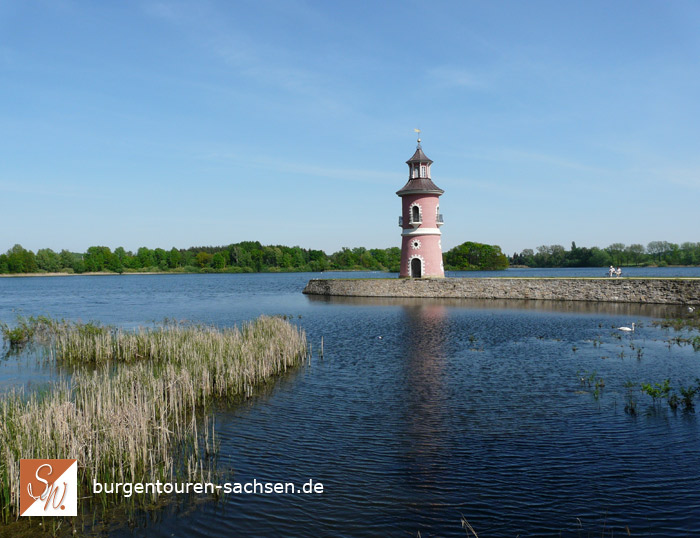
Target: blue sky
188,123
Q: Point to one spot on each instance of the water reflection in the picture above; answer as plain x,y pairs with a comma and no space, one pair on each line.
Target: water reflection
466,407
423,378
578,307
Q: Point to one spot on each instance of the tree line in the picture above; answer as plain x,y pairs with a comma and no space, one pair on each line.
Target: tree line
660,253
243,257
252,257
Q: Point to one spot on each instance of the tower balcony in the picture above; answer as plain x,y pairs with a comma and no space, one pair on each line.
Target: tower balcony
415,223
438,220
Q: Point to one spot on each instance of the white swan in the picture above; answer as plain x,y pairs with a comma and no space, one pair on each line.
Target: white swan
626,329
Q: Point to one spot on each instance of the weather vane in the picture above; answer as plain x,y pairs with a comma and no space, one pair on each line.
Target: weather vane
417,131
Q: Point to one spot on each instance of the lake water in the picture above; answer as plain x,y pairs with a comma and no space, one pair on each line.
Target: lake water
461,408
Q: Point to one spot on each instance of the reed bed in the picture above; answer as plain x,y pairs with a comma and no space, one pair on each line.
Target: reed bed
132,414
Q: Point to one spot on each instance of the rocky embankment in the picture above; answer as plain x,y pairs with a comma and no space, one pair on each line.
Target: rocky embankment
684,291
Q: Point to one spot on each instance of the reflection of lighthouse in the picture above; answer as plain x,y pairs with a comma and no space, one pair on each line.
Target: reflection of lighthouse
421,251
427,394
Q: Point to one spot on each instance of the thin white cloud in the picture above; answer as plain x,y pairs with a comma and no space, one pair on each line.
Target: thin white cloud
519,156
485,186
347,174
553,160
274,164
35,189
456,77
172,12
264,64
683,177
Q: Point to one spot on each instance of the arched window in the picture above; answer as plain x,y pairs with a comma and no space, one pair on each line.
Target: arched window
414,172
415,214
423,171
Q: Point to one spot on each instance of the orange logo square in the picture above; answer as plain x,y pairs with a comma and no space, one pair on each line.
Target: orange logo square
48,487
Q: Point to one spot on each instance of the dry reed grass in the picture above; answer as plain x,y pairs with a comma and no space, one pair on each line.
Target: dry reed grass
133,416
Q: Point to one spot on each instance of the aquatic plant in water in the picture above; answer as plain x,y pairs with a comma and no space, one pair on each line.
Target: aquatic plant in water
664,391
690,322
688,395
26,330
631,403
131,411
657,391
589,379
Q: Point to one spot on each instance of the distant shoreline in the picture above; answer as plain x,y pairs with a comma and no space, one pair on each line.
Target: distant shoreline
100,273
110,273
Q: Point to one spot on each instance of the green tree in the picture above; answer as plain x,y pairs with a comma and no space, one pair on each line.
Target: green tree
68,260
174,258
557,255
617,253
188,258
635,253
161,258
16,259
393,259
145,258
97,258
79,265
599,258
218,261
657,248
475,256
528,257
204,259
120,253
287,261
673,254
256,256
690,253
114,264
48,260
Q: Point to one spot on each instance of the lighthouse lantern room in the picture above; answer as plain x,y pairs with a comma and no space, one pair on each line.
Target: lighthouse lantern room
420,221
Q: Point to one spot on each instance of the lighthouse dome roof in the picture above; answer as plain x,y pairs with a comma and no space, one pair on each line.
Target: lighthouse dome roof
420,185
419,157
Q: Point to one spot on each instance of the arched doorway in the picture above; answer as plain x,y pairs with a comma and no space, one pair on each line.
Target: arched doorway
415,268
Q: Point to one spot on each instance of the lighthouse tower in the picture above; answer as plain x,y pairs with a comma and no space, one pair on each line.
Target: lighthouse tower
420,221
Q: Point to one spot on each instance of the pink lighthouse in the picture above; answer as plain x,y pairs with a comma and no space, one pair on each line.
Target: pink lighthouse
421,249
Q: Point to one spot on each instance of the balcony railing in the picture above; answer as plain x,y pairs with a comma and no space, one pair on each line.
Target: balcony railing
438,220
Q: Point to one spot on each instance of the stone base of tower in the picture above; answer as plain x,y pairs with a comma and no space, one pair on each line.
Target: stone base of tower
421,257
425,277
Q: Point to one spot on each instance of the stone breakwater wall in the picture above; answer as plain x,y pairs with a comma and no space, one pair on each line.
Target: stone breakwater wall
615,290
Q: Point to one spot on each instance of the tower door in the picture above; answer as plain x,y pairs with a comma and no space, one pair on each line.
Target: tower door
415,268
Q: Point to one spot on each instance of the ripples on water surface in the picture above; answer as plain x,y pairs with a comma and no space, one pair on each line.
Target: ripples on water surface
461,408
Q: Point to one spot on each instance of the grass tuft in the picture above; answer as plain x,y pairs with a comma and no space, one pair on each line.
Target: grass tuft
129,413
